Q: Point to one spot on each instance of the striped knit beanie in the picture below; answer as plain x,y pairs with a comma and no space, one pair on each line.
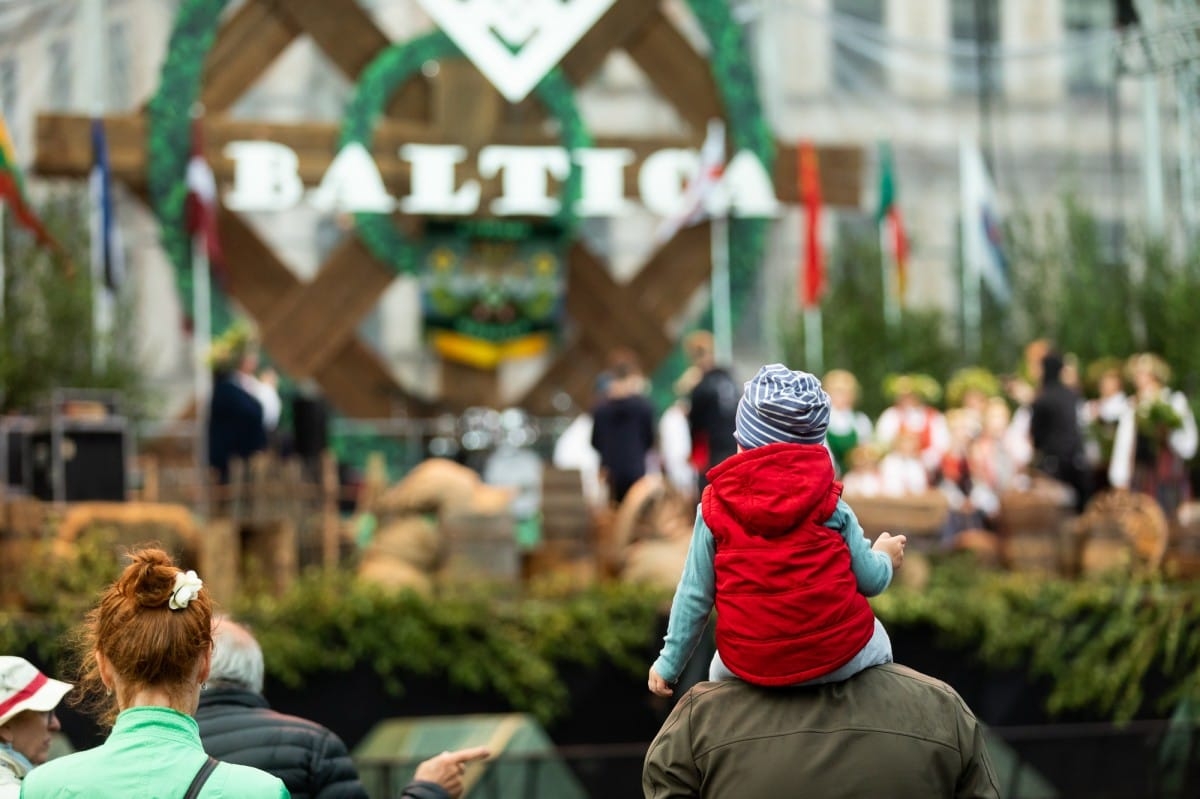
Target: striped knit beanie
782,406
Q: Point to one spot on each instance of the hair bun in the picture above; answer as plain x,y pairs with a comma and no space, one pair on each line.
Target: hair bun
149,578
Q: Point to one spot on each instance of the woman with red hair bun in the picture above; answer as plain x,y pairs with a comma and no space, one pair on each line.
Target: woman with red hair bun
146,651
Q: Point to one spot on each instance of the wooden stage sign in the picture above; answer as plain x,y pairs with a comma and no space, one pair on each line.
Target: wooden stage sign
309,328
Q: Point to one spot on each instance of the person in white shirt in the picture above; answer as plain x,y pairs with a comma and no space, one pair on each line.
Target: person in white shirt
573,448
1155,437
675,437
911,413
902,473
1102,415
863,478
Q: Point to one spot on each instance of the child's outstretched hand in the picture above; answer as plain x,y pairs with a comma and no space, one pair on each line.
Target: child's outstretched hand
658,686
892,546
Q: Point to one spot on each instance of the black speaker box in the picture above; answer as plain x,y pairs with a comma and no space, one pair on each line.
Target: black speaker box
87,464
310,425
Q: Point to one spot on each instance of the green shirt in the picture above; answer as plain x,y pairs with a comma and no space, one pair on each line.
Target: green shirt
152,753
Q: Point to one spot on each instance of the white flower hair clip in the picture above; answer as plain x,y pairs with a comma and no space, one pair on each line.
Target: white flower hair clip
187,588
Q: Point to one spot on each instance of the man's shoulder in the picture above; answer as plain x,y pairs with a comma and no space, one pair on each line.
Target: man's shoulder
889,679
241,718
903,674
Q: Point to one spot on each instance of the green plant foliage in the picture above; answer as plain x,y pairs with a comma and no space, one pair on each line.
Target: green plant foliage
515,649
47,336
1071,285
970,379
1099,643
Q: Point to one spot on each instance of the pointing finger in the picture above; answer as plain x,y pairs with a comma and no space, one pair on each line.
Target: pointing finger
470,755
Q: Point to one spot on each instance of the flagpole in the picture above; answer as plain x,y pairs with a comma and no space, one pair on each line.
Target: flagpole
891,310
201,343
102,303
972,274
719,243
3,267
814,343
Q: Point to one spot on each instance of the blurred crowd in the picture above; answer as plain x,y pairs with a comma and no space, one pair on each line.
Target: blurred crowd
1117,423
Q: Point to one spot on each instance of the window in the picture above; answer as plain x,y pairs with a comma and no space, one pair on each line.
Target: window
120,68
975,42
1088,31
857,27
59,90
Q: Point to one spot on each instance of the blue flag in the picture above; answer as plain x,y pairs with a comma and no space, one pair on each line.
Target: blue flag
108,256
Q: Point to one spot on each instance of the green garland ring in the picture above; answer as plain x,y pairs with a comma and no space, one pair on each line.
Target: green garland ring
390,70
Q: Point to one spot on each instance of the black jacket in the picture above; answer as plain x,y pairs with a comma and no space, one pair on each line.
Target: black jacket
712,414
622,433
235,425
238,726
1054,424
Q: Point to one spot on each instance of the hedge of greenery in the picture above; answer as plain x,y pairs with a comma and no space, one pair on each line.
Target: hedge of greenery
1098,643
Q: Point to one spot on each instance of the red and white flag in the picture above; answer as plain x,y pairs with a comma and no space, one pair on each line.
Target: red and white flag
201,208
700,188
812,264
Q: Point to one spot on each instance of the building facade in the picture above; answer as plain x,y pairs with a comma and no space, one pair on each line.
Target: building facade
1035,83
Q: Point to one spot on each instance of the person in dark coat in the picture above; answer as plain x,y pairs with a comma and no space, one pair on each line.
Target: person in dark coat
235,424
712,407
1055,433
238,726
623,429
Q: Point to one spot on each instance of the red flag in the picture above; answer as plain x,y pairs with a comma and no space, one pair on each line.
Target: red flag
895,242
12,192
812,276
898,242
201,209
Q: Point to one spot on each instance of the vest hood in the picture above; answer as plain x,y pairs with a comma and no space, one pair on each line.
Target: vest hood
769,490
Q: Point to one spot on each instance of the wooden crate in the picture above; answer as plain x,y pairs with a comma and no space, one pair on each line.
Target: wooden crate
565,513
480,548
921,517
1035,530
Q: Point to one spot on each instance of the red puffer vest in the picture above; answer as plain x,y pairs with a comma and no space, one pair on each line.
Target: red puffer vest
788,606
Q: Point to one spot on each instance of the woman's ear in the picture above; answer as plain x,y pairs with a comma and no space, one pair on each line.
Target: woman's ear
105,669
205,665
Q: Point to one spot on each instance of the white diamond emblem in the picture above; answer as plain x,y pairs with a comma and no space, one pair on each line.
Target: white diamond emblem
515,43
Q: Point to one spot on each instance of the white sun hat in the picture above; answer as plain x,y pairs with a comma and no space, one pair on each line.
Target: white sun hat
23,687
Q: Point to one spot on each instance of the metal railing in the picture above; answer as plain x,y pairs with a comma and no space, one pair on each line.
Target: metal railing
1137,760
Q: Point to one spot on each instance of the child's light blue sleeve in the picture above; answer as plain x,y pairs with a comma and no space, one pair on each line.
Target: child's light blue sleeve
692,604
872,569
